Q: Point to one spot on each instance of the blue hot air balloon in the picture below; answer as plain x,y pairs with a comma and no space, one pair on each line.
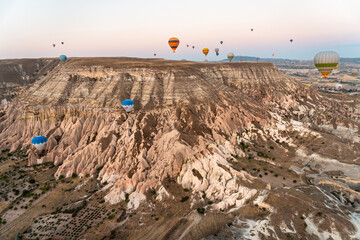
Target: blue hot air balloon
63,58
39,142
128,105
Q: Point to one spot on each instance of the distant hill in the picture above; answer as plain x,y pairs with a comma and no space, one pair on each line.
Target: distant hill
253,59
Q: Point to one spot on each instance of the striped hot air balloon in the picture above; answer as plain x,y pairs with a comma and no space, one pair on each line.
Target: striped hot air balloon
39,142
174,43
128,105
230,56
206,51
326,61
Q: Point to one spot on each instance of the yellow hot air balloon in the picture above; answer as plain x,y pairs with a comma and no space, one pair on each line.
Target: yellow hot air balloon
206,51
325,62
174,43
230,56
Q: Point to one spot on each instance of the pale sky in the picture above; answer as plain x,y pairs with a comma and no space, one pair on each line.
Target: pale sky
140,28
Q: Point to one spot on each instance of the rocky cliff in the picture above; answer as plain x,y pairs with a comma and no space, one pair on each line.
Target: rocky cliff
242,136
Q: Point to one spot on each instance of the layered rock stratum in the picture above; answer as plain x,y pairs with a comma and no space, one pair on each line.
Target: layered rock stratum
277,159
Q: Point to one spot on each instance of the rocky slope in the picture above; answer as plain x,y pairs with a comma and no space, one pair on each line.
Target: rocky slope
17,73
243,138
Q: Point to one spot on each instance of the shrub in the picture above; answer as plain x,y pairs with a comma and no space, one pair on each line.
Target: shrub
260,175
61,177
294,181
32,181
201,210
184,199
271,147
111,216
186,190
319,214
74,175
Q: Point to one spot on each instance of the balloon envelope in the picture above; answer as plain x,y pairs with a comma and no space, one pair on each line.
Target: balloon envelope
63,58
174,43
39,142
230,56
326,61
128,105
221,42
216,50
206,51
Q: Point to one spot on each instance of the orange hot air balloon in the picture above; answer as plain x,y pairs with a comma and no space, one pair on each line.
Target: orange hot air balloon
174,43
206,51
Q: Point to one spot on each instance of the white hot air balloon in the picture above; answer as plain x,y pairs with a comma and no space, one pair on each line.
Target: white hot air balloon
325,62
230,56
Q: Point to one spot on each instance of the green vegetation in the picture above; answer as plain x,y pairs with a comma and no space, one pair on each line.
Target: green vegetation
127,197
111,216
201,210
74,175
184,199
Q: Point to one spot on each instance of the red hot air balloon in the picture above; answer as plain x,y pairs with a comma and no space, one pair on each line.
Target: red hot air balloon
174,43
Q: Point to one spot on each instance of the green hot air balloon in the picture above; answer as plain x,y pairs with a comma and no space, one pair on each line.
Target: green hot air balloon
326,61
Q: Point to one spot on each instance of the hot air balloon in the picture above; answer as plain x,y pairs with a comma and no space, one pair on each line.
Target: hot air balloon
174,43
54,45
39,142
187,45
206,51
273,54
62,43
291,40
230,56
63,58
221,42
217,51
193,47
326,61
128,105
252,29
